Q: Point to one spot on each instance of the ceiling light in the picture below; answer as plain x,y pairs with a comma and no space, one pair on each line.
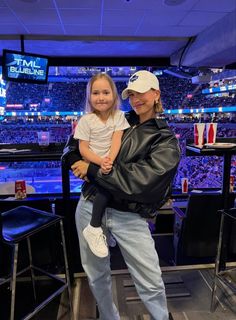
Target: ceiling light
29,1
173,2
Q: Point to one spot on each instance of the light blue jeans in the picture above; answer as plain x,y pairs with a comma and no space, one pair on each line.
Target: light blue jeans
137,247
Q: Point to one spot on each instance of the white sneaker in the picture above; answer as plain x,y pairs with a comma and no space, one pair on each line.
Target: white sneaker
96,241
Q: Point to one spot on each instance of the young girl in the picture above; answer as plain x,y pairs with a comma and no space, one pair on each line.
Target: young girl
99,133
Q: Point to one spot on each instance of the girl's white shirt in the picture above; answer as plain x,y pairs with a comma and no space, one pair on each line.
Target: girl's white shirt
98,133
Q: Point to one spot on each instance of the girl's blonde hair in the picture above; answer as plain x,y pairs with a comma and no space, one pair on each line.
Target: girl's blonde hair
116,102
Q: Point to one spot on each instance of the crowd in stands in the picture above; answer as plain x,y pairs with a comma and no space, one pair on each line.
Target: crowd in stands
202,172
27,133
177,93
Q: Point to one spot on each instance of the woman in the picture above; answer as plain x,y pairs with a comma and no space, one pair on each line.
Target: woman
139,183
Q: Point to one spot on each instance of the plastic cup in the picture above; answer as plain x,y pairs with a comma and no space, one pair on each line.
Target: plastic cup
43,138
199,134
231,184
211,129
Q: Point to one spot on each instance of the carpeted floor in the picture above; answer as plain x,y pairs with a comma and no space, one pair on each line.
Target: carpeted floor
188,297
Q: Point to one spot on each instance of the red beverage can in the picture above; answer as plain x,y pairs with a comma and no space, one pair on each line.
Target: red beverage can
20,189
184,185
231,184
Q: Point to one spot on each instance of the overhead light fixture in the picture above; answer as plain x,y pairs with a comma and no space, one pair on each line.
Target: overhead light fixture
173,2
29,1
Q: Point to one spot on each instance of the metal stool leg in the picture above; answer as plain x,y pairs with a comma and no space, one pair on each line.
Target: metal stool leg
13,280
217,263
31,269
66,269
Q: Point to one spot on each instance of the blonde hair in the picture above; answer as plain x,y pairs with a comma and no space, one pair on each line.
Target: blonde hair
116,102
158,107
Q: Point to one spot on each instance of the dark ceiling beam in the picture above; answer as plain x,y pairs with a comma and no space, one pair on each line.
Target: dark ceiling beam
89,38
110,61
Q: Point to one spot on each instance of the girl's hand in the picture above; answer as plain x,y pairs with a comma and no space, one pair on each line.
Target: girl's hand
106,165
80,168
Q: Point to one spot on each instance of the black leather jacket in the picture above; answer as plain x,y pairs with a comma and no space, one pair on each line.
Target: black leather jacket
141,178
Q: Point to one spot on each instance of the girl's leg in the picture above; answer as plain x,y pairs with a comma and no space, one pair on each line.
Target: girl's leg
93,232
97,269
137,246
99,207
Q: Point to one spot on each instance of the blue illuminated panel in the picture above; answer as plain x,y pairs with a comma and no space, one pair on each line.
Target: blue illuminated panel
219,89
24,67
3,91
74,113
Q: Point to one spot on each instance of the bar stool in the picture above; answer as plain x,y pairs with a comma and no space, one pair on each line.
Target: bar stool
19,224
222,274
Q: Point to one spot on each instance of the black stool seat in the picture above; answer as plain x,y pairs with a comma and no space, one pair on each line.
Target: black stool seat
23,221
19,224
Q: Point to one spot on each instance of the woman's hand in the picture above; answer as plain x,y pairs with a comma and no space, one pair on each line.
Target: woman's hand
80,169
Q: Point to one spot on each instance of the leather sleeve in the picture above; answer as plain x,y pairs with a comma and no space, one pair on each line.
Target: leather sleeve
145,180
71,152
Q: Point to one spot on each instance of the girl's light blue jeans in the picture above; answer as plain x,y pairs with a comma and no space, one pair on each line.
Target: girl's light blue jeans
137,247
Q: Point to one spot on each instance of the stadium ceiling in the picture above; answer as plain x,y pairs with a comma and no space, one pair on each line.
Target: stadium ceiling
192,33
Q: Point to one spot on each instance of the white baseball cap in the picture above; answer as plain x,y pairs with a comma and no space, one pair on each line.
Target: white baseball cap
141,81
